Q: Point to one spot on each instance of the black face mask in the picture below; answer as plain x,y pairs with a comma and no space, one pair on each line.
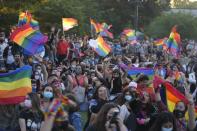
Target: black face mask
178,113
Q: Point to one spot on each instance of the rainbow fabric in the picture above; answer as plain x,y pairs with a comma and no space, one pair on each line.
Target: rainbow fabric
173,96
100,46
69,23
26,18
94,26
14,86
132,72
173,42
160,42
104,30
28,38
130,34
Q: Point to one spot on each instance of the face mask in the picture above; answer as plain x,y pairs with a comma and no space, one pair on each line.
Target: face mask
73,66
27,103
48,94
78,71
128,98
37,77
166,129
179,114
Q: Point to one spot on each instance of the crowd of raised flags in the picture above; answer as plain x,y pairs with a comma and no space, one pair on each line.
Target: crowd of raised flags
15,85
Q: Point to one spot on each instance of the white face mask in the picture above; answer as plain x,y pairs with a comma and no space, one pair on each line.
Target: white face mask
27,103
166,129
37,77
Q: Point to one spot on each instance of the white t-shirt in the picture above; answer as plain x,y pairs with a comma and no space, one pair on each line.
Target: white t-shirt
124,112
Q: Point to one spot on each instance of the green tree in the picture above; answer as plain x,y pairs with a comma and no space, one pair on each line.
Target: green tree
161,26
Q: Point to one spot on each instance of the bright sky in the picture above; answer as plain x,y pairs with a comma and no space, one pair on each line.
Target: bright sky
192,0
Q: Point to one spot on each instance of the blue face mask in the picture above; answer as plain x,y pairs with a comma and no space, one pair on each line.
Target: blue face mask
166,129
48,94
128,98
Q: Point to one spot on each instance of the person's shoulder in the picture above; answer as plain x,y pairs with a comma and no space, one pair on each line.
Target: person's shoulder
91,128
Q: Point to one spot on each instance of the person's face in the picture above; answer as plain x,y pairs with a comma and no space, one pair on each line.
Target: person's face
56,72
49,89
51,79
143,83
115,74
145,97
111,112
17,57
52,29
38,69
180,106
167,125
78,70
96,81
102,93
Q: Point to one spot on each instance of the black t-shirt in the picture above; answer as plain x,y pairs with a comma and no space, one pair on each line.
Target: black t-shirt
33,120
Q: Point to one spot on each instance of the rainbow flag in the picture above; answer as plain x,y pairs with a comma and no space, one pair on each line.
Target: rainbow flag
173,96
104,30
173,42
160,42
28,38
26,18
132,72
14,86
69,23
94,26
130,34
100,46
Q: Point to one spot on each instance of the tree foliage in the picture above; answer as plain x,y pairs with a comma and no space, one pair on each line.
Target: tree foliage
119,13
161,26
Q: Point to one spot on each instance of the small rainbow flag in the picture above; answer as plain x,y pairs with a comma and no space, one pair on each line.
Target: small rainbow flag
104,30
94,26
26,18
173,42
14,86
130,34
69,23
160,42
28,38
100,46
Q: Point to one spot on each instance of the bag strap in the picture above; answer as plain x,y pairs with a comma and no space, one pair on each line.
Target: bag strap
77,80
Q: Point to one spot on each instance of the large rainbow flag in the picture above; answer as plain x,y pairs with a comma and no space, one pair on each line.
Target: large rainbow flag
100,46
173,42
173,96
14,86
26,18
69,23
132,72
28,38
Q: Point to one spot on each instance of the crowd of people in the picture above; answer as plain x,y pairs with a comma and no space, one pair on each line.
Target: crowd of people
101,95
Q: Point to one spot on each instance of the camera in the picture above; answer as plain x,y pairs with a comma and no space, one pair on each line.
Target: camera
114,117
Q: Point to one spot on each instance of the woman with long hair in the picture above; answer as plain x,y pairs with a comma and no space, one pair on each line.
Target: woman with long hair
164,122
108,119
31,117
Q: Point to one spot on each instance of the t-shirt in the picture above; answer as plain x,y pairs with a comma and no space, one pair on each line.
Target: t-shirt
33,120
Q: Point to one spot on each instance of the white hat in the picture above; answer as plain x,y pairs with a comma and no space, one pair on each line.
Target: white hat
133,84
